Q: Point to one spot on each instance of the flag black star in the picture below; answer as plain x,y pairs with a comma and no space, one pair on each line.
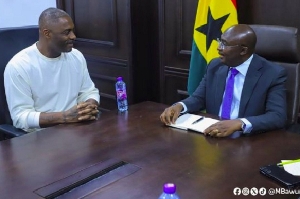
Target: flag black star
212,29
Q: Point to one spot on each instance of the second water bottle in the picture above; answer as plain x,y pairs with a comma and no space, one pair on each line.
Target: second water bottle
169,192
121,95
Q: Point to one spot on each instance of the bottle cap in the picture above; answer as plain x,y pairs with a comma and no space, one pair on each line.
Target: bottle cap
119,78
169,188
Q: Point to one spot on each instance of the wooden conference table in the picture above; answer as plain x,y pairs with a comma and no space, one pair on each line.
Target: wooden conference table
134,155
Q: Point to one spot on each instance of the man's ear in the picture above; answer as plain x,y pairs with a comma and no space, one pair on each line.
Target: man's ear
244,50
46,32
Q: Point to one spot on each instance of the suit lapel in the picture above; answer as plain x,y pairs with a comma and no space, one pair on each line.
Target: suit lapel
221,75
251,79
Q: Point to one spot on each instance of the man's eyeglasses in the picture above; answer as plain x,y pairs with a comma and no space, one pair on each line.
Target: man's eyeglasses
223,46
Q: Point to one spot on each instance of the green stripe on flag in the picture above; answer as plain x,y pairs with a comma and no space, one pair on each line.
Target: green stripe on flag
197,69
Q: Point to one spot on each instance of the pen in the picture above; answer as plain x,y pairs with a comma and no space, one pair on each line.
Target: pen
198,120
288,162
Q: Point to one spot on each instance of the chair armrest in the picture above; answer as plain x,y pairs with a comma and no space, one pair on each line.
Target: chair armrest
9,131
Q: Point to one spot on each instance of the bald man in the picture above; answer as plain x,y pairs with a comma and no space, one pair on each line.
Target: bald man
48,83
259,93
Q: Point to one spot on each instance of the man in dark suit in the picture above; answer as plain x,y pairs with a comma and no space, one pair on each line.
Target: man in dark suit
259,93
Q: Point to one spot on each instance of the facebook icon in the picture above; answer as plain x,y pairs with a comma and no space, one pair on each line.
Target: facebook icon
237,191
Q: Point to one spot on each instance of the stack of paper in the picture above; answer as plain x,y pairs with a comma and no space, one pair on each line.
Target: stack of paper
291,166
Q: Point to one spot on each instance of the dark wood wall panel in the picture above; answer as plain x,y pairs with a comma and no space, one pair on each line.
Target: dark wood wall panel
107,104
118,38
103,72
95,12
177,22
107,30
146,71
175,32
174,78
272,12
185,24
103,30
109,69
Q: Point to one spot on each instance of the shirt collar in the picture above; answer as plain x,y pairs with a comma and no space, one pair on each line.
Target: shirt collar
243,68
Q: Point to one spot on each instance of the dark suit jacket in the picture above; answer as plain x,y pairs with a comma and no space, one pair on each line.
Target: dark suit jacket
263,99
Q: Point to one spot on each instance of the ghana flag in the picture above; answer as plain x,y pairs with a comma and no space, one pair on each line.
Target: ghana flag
212,19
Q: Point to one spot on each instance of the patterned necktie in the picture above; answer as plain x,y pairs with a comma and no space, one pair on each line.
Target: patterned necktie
227,100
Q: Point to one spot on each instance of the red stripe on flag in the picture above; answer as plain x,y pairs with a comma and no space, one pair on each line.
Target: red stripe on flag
234,3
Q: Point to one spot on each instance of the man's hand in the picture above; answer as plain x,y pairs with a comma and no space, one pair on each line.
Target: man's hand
87,111
171,114
81,112
224,128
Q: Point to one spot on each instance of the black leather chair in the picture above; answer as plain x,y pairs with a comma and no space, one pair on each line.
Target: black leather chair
12,40
282,45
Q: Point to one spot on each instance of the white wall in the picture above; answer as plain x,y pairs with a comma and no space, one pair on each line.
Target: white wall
15,13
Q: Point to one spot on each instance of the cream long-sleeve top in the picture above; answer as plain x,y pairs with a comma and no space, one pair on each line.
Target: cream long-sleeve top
34,84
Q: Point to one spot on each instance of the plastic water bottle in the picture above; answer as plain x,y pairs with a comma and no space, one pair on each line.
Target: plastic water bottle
121,95
169,192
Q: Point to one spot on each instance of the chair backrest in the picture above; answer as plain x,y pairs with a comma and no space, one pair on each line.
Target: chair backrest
12,40
282,45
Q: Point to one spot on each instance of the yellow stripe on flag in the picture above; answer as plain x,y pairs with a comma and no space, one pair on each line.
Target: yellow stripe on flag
212,19
218,9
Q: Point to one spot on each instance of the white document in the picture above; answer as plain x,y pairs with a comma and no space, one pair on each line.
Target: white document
193,122
293,168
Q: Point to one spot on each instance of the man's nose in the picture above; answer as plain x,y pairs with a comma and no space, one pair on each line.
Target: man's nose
219,48
72,35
